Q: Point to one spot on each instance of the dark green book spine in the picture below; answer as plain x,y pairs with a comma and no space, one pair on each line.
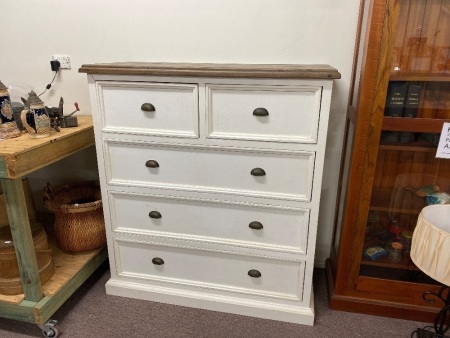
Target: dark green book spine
412,100
395,99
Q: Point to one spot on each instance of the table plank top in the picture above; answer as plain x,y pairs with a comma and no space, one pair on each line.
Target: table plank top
21,155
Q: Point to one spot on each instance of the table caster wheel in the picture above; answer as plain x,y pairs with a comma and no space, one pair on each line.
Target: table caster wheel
50,329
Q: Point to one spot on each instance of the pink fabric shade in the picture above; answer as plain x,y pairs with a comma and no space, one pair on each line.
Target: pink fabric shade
430,248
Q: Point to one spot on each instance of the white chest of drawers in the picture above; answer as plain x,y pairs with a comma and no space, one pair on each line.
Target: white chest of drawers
211,178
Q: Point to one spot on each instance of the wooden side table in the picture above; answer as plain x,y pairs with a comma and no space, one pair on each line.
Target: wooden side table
19,157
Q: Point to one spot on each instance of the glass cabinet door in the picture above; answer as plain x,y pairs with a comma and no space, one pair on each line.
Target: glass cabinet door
408,175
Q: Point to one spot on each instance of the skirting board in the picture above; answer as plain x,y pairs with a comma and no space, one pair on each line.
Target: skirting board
297,315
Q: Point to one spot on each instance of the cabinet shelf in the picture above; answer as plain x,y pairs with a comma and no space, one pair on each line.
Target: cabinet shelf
385,262
382,200
67,265
419,146
427,77
422,125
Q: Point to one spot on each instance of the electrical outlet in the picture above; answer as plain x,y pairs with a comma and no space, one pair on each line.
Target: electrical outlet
64,61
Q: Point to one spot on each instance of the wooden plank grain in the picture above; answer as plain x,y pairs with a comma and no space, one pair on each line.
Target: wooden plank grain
17,312
348,254
23,240
49,304
29,161
284,71
424,125
18,157
22,155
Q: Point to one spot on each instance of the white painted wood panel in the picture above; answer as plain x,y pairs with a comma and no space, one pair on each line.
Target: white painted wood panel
206,194
288,175
175,115
283,229
209,269
293,112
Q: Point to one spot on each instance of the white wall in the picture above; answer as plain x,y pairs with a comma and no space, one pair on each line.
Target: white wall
228,31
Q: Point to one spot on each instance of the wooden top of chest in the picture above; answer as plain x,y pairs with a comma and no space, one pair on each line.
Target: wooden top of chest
271,71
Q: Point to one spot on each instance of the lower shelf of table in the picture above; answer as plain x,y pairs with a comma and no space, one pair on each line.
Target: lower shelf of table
72,269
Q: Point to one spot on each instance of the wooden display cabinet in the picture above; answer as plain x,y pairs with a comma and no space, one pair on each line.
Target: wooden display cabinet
389,166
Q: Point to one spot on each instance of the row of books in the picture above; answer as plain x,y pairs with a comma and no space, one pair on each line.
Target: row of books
402,99
408,137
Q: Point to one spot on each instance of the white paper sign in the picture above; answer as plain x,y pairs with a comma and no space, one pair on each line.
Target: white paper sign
443,150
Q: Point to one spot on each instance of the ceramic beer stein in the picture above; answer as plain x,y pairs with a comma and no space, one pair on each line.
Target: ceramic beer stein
35,118
8,127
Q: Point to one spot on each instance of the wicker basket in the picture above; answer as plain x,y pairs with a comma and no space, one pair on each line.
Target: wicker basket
79,223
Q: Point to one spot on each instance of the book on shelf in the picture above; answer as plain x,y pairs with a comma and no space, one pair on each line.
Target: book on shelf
395,99
402,99
412,100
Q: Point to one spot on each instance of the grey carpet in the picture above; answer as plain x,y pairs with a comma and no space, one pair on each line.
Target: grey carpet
92,313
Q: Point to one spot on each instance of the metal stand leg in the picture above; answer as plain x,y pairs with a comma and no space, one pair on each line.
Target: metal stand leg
442,320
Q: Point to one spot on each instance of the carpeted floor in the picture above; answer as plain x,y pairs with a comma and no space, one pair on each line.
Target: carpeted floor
92,313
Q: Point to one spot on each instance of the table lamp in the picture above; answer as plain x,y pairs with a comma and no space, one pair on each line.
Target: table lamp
430,252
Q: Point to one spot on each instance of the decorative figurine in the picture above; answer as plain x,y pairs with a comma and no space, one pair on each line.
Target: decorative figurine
35,118
427,190
58,119
69,120
8,127
438,198
55,114
433,195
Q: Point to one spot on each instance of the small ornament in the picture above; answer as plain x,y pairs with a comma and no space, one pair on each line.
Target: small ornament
375,253
5,104
69,120
395,251
34,117
57,118
395,228
56,114
438,198
8,127
427,190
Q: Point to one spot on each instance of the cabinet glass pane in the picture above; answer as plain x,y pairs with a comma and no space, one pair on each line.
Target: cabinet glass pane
421,46
408,176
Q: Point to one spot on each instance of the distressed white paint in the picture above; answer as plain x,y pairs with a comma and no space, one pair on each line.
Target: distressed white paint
199,242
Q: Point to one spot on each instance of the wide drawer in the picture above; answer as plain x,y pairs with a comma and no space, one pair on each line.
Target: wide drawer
199,220
161,109
263,112
285,175
211,270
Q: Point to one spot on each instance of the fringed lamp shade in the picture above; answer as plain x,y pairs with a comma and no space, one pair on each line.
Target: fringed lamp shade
430,248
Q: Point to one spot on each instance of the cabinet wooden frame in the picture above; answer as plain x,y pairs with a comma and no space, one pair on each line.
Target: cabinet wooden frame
348,290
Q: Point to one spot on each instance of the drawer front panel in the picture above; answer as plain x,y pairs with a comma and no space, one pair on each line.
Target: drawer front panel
286,175
238,225
212,269
285,114
171,110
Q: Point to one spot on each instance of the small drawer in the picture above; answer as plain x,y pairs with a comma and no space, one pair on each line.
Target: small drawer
263,112
252,226
211,270
283,175
159,109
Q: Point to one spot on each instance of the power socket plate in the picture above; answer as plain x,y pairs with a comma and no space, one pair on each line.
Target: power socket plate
64,61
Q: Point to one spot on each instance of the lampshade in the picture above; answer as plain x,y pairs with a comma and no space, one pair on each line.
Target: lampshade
430,247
